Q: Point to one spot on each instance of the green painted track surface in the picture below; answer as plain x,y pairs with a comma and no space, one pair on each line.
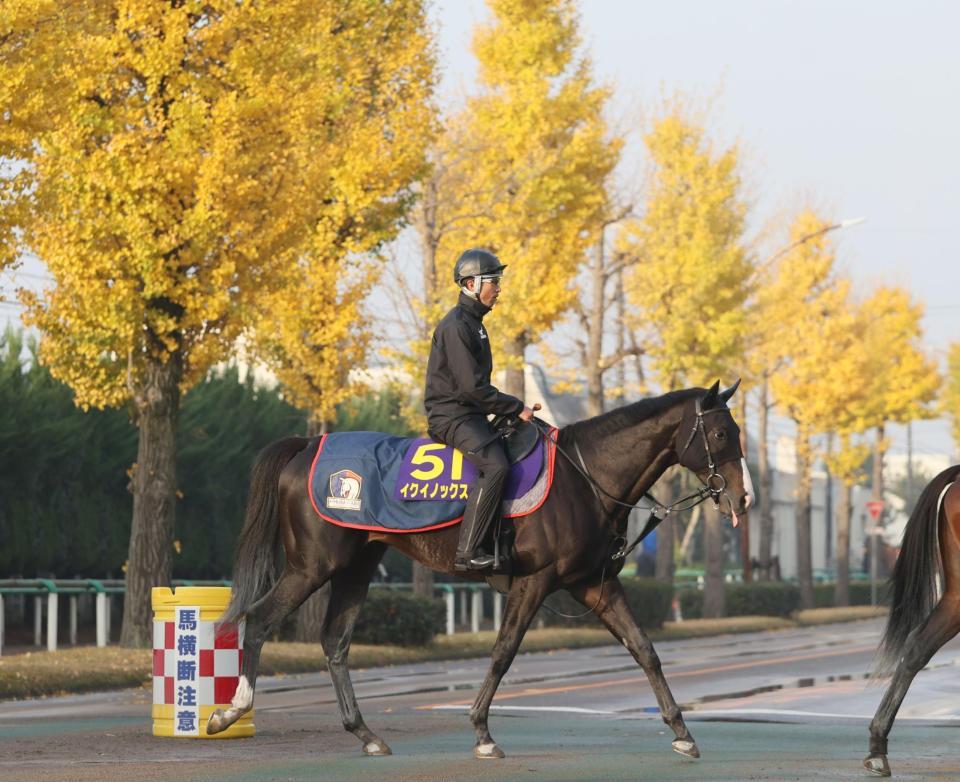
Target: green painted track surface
437,748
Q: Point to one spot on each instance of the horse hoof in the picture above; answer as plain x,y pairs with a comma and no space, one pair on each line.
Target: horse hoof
487,752
877,764
686,747
215,723
377,747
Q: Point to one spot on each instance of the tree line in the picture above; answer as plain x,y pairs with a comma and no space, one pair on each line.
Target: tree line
210,179
64,473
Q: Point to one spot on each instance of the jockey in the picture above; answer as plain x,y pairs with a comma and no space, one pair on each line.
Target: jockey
459,397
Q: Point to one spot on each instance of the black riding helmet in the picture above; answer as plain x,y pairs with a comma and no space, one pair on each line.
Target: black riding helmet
476,262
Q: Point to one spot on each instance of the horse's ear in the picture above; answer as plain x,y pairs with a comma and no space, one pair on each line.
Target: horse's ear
710,400
725,395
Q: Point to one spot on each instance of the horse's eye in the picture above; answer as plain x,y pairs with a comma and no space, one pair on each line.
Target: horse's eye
721,435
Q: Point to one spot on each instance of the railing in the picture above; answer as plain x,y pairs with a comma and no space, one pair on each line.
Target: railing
53,588
470,603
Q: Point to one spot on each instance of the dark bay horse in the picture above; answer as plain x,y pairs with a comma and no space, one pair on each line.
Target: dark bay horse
919,622
567,544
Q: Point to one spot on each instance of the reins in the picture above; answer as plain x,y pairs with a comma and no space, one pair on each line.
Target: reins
658,511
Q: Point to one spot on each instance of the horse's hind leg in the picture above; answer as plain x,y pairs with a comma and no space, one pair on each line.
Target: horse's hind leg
348,590
609,602
293,587
942,625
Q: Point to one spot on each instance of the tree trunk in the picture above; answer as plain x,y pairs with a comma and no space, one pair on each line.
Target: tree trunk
804,548
745,519
665,533
593,368
766,486
686,553
422,580
876,494
713,594
828,509
154,498
513,382
426,225
311,614
621,370
841,594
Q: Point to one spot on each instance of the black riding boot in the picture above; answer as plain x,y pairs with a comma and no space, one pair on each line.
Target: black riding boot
483,507
470,556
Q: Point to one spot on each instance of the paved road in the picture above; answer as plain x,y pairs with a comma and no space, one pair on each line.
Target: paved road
577,715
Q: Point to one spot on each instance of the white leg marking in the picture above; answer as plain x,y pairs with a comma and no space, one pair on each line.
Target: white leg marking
243,698
491,750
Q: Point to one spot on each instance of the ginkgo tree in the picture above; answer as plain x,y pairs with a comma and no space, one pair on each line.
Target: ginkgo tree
688,276
785,286
904,378
691,273
845,463
820,336
314,325
172,160
535,182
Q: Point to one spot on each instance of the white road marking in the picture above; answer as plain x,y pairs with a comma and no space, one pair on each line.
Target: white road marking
567,709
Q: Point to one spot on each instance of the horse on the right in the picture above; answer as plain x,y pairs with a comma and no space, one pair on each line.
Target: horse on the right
925,605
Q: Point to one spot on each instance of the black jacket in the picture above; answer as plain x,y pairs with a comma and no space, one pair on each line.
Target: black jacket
458,389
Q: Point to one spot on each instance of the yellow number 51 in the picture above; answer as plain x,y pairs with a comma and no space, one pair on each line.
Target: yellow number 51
424,456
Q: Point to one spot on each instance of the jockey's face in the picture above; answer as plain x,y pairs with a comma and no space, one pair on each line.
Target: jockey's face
489,291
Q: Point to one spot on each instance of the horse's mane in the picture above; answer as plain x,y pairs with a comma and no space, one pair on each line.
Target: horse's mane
628,415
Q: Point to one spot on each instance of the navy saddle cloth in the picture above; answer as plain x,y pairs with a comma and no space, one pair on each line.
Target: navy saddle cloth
376,481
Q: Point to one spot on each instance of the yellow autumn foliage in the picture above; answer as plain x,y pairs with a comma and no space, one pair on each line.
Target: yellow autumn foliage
532,156
690,275
179,159
176,166
904,380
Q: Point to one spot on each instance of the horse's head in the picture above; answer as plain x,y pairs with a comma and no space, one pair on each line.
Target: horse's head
708,444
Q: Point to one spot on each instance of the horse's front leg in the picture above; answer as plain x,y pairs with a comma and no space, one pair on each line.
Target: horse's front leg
609,602
526,596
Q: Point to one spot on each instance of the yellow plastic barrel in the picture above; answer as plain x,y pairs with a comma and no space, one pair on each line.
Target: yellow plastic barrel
196,662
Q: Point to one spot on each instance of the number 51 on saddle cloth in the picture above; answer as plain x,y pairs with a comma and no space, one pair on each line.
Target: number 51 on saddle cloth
376,481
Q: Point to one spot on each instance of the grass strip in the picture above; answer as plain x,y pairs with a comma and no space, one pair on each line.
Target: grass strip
87,669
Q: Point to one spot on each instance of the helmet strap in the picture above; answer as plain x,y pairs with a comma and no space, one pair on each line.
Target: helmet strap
475,293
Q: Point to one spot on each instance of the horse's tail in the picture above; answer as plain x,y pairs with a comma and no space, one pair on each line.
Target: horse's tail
914,578
257,563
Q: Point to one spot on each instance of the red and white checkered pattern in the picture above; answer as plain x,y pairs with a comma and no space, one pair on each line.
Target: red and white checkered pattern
220,658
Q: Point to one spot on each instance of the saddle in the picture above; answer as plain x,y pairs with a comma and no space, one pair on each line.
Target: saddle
519,437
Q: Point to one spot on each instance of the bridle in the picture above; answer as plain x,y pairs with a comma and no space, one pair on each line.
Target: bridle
714,486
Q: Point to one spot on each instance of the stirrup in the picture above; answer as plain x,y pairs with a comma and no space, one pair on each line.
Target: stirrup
477,561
